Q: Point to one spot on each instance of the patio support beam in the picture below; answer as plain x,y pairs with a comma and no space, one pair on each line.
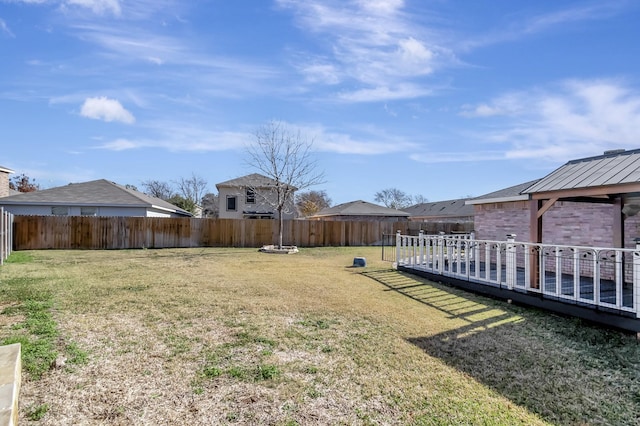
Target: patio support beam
618,223
546,206
535,236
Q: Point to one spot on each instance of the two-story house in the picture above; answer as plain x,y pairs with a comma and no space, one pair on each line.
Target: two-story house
252,196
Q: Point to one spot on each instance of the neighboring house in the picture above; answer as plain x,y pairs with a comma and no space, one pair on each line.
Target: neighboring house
590,201
95,198
252,197
360,211
4,181
448,211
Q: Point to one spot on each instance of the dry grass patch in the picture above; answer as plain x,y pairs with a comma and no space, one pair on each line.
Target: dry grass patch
233,336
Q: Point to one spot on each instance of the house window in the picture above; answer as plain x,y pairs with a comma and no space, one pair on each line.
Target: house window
60,211
88,211
251,196
231,204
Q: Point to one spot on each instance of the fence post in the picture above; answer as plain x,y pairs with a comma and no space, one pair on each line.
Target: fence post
2,236
512,271
636,278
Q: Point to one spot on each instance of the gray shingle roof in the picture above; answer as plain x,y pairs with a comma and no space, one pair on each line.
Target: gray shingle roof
254,180
6,170
512,193
447,208
614,168
94,193
360,208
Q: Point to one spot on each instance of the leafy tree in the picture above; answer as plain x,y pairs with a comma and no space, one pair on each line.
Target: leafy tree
284,155
311,202
183,203
23,183
210,205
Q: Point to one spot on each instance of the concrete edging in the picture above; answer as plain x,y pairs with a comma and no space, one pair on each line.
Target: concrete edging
10,380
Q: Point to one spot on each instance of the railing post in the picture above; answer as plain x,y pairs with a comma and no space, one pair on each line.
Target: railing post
398,245
421,249
441,254
636,278
512,271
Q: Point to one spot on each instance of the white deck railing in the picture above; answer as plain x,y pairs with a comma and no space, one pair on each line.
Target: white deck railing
594,276
6,234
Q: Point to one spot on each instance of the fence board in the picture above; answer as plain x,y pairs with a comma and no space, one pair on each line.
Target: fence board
85,232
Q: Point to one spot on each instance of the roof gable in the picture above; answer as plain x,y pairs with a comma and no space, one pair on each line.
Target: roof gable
6,170
360,208
441,208
255,180
94,193
512,193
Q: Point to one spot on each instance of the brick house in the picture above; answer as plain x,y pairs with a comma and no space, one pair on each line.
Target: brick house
591,201
4,181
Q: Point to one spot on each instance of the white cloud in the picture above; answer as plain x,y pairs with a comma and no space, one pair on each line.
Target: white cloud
4,28
562,18
404,91
99,7
457,157
576,118
372,43
362,141
106,109
181,137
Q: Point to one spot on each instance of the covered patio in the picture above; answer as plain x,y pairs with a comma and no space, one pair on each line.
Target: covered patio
584,264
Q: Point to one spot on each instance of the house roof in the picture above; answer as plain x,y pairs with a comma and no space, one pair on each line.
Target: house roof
618,167
255,180
6,170
512,193
360,208
94,193
447,208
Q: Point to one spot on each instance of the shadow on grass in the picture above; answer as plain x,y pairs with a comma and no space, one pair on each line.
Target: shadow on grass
563,370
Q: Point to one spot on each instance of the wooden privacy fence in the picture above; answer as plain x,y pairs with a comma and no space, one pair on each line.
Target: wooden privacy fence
85,232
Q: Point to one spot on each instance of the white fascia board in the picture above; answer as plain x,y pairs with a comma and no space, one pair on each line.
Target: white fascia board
498,200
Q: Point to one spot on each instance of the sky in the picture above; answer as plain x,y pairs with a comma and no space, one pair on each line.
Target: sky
438,98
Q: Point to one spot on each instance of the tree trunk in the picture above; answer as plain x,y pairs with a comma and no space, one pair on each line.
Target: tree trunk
280,226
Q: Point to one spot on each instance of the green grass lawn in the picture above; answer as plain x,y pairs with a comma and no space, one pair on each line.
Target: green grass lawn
234,336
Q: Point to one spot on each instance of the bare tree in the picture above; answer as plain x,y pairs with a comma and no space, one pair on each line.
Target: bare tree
192,188
158,189
283,155
311,202
393,198
420,199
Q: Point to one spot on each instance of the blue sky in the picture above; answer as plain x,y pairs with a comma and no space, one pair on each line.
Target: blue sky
439,98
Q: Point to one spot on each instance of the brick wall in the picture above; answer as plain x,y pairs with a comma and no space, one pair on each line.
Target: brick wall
566,223
4,184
